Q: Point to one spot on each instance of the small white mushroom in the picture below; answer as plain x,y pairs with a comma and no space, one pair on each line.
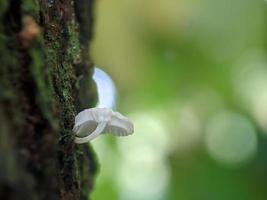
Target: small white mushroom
94,121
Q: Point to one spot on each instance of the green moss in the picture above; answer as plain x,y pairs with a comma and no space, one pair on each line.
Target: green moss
8,70
53,63
41,74
45,69
87,168
31,7
43,79
74,49
3,7
63,64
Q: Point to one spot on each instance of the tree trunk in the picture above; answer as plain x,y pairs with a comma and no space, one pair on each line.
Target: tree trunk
45,79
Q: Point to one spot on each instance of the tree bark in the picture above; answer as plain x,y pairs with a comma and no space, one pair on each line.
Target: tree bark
45,80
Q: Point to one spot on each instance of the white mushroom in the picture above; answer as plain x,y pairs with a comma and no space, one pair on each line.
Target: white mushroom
92,122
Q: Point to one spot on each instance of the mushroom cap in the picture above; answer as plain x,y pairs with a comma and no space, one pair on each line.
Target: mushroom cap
106,89
116,124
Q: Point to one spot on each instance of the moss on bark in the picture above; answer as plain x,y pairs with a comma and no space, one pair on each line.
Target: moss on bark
42,63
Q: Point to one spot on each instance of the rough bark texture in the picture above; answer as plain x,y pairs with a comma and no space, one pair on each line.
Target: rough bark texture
44,81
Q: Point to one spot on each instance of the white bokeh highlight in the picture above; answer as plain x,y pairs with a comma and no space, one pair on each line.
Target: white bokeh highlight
144,172
230,139
250,83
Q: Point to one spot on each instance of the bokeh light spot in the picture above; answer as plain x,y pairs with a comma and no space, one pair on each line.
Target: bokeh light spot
250,82
231,139
144,172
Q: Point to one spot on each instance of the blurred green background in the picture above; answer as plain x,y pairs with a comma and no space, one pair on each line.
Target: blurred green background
192,76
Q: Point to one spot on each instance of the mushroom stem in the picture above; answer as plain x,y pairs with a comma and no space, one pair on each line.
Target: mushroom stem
99,129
